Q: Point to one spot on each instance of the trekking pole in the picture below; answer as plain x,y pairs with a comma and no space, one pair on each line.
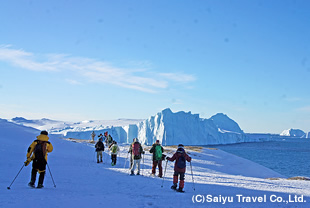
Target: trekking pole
192,176
164,174
51,174
9,187
142,164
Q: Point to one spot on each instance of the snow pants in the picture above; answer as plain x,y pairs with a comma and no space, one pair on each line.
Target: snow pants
182,178
136,163
160,168
99,156
38,166
113,158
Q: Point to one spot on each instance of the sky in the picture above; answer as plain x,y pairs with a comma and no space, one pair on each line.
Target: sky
79,60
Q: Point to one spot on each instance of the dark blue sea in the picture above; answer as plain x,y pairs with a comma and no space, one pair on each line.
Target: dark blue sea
289,157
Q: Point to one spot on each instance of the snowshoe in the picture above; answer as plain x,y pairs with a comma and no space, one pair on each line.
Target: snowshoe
180,190
174,187
31,185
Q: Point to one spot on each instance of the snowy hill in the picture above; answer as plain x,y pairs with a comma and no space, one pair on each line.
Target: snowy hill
81,182
294,133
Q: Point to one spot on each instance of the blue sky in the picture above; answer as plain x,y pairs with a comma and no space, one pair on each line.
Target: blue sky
77,60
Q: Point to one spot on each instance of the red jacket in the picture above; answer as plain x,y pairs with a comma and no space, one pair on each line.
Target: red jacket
176,157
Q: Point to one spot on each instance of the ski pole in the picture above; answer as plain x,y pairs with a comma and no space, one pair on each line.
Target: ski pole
9,187
51,174
142,163
164,174
192,176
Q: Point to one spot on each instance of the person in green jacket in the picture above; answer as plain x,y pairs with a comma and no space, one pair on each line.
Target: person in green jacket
157,151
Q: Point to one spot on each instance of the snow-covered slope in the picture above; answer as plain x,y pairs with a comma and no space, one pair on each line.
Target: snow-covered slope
294,133
81,182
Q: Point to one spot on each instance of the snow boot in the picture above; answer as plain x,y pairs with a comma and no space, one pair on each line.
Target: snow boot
138,173
98,161
174,186
31,184
180,190
132,173
40,186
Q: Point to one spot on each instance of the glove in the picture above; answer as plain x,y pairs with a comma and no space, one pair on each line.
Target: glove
27,161
167,158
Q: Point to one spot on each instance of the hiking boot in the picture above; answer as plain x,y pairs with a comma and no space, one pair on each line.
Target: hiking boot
180,190
31,184
40,186
174,186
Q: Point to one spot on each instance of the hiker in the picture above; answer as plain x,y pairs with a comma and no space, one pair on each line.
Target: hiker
93,136
135,150
100,136
157,151
180,157
131,160
37,152
108,139
99,149
114,151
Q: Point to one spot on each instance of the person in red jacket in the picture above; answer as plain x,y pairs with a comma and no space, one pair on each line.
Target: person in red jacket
180,158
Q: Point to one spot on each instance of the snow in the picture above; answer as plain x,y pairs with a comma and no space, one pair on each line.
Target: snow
81,182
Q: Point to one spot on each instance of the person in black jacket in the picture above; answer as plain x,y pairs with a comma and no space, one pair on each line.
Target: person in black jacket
99,149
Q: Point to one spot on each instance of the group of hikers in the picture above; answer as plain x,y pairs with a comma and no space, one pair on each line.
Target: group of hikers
38,150
136,151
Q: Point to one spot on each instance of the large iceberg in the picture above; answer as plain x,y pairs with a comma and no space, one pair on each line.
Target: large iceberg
295,133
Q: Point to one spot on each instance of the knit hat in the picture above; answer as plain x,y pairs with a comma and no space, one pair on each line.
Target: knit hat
157,141
181,146
44,132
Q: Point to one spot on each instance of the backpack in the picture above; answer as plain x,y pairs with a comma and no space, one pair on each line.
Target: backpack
181,162
136,149
40,150
114,149
158,153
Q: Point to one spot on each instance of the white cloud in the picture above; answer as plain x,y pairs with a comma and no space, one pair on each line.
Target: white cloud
139,78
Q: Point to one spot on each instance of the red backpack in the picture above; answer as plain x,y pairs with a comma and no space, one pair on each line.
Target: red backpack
136,149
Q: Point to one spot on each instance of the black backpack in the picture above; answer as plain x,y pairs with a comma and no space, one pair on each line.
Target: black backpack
40,151
181,162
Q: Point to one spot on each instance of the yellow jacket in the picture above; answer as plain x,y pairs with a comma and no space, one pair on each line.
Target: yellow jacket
48,147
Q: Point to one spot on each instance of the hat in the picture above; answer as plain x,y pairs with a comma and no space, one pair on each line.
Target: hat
44,132
135,140
157,141
181,146
180,150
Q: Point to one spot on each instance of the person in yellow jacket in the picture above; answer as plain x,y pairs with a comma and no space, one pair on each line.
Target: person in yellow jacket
37,152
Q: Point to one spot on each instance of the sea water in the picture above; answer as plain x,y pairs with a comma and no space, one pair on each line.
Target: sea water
287,156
